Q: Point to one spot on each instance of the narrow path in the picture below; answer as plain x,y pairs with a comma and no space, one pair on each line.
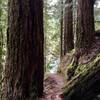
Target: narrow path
53,87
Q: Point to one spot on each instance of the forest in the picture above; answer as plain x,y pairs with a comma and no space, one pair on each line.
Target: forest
49,49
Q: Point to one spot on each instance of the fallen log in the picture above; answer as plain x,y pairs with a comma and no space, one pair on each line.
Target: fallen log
85,85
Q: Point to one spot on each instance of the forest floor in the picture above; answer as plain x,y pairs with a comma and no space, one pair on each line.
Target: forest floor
54,83
53,87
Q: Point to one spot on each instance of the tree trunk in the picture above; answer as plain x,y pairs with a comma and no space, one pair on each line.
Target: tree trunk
61,37
24,67
85,24
68,27
85,85
1,51
85,31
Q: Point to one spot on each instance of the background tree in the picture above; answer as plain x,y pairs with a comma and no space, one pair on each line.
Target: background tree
24,71
85,24
83,83
68,27
62,29
85,30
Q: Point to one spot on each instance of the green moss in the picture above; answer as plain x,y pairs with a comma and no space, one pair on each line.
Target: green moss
65,63
81,81
85,67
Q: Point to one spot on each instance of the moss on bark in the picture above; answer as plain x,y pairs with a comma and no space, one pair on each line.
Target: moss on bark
85,83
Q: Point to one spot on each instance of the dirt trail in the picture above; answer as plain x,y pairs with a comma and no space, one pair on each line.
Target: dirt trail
53,87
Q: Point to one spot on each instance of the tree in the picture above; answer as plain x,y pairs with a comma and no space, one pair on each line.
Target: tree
24,71
88,76
62,35
68,27
85,24
84,32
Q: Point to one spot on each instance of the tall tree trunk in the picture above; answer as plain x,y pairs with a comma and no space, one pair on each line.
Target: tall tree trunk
84,31
61,37
85,24
24,67
68,27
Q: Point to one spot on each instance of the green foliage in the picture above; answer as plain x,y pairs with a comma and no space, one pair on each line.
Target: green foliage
97,16
51,31
83,78
97,25
3,27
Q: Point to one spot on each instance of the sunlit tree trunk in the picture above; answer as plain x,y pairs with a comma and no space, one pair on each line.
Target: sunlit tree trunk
24,67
